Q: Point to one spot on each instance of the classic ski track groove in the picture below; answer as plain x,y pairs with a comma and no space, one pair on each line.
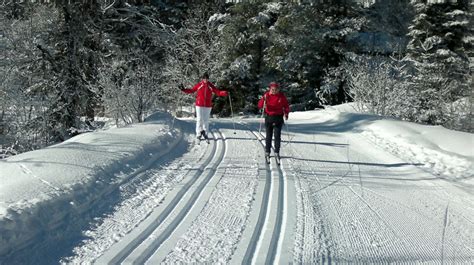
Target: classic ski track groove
277,229
196,244
182,225
216,160
142,170
147,231
135,182
135,176
129,186
249,254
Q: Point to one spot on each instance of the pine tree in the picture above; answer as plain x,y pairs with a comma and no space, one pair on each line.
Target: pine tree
439,58
243,37
308,40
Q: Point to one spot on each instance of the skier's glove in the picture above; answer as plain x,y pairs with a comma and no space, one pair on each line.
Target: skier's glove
181,87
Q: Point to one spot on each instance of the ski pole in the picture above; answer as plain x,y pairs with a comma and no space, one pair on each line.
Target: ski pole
231,111
288,133
287,130
174,116
263,111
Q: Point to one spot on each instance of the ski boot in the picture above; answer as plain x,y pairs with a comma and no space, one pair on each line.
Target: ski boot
204,135
277,158
198,139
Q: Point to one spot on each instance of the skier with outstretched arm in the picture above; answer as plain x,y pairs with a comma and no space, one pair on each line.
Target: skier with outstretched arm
204,90
275,106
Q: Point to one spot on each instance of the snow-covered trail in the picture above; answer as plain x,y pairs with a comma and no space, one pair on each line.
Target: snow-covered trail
357,203
335,198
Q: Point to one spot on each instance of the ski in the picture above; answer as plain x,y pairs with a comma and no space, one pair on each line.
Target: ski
207,139
267,159
198,141
277,159
204,135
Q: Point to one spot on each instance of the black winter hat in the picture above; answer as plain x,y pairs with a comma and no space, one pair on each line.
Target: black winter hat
205,75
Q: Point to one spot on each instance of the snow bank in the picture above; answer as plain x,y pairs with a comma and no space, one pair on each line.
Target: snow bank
444,152
39,188
447,153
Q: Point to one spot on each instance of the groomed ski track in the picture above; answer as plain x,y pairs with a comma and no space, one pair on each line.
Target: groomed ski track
331,200
154,240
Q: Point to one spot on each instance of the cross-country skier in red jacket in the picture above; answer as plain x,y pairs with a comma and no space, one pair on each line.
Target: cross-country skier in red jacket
276,107
204,91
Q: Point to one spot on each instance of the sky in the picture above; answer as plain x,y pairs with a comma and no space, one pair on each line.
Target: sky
97,196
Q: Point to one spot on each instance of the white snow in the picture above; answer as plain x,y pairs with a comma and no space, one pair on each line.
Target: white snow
217,17
46,185
54,187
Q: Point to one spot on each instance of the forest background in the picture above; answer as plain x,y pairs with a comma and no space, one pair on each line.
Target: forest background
65,64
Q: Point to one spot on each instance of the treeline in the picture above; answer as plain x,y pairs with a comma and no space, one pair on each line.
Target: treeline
65,63
90,2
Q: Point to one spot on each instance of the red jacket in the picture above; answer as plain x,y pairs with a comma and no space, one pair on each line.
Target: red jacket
204,93
274,104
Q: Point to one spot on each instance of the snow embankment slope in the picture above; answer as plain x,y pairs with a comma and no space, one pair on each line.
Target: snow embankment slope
444,152
39,189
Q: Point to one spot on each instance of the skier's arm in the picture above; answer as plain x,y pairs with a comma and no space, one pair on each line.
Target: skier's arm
220,93
192,90
261,102
286,107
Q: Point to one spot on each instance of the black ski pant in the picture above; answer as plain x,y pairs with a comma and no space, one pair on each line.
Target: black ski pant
273,125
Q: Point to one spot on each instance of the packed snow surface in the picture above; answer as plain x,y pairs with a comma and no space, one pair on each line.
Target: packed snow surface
350,188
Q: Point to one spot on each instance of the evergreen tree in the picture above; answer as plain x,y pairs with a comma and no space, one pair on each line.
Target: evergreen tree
439,58
308,41
243,37
290,43
392,17
71,53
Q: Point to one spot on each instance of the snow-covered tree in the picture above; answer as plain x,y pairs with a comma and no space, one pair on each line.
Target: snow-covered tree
243,35
439,57
24,120
52,56
379,85
392,17
307,41
129,88
193,49
289,43
72,56
130,75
